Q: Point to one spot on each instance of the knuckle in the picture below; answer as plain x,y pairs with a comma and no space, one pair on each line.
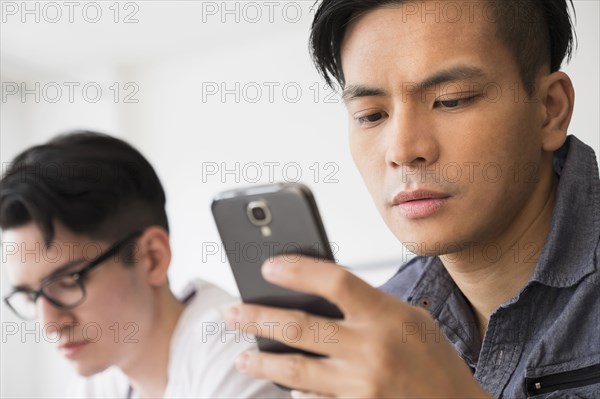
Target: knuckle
294,369
292,329
374,384
340,282
368,388
247,313
299,317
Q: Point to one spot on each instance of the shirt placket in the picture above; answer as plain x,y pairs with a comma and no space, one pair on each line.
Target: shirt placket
502,348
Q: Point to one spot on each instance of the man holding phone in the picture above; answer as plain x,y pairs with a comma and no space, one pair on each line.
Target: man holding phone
502,300
87,253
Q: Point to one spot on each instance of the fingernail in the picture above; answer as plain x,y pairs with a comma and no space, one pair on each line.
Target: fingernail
232,315
242,362
272,267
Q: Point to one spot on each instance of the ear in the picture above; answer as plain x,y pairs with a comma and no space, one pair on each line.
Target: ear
557,97
155,255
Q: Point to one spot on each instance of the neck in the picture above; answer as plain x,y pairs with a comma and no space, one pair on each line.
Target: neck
487,279
147,371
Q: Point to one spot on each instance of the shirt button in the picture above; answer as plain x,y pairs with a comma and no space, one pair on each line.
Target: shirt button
424,302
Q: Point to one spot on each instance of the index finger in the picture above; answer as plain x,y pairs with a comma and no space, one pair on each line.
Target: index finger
324,278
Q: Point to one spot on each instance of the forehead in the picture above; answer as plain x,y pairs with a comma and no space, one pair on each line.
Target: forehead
28,259
417,37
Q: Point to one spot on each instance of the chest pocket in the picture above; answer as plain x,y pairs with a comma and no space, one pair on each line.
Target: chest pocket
584,381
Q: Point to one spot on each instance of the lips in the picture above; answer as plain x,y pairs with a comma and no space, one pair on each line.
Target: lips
419,203
71,349
408,196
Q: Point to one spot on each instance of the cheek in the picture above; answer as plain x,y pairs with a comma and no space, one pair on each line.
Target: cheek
111,298
369,161
504,151
512,128
497,138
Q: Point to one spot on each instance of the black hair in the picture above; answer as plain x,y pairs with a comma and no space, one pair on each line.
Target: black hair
91,183
538,32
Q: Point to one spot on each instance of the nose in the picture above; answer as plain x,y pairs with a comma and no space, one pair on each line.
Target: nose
410,139
50,315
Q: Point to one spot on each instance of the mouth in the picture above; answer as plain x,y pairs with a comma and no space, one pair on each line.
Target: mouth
71,349
419,203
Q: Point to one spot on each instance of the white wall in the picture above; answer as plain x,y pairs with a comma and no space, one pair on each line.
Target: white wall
172,57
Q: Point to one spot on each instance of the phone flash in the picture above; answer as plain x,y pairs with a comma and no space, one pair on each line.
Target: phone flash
265,231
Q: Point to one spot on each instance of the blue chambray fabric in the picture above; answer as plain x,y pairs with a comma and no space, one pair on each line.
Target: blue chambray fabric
552,325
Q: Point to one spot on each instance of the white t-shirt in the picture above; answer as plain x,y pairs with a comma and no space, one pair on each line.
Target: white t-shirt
201,361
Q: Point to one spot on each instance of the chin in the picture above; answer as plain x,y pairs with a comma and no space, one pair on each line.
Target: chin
433,244
88,368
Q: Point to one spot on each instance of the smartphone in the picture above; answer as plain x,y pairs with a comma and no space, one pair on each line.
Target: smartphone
259,222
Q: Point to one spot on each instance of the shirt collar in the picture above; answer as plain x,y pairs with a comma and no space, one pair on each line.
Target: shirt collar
568,253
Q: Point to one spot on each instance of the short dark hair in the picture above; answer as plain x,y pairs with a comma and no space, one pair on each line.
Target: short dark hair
92,183
538,32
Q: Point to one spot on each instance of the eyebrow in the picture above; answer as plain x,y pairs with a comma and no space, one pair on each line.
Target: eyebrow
55,273
64,267
452,74
353,92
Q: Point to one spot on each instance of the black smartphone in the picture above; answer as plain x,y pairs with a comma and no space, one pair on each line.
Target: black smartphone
258,222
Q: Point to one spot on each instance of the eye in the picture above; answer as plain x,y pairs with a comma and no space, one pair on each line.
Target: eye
453,103
24,297
68,283
371,119
450,103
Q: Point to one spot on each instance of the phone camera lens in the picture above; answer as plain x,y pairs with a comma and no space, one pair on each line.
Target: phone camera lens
258,213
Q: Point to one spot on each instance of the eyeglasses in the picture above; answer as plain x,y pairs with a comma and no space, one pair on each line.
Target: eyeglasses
64,291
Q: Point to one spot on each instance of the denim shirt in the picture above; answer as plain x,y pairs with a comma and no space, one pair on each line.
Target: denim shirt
544,342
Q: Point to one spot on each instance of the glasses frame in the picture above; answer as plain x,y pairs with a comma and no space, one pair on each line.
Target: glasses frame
77,276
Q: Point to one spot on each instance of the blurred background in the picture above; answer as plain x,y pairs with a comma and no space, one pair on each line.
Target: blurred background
216,95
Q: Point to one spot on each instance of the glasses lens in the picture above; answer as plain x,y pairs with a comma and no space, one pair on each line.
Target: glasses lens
66,290
23,306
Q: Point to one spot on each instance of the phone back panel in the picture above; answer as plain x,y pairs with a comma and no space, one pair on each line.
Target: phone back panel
295,228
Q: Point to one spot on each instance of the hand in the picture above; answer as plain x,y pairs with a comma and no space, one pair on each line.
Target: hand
383,347
307,395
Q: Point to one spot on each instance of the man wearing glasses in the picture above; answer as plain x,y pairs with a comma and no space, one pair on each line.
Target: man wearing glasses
63,288
85,217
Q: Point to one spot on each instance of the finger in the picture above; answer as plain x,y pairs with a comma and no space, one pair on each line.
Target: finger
307,395
294,328
352,295
294,371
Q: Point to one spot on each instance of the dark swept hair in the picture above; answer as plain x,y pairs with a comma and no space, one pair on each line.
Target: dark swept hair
538,32
91,183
